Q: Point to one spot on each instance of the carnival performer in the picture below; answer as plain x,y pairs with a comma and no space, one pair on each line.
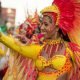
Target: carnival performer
56,59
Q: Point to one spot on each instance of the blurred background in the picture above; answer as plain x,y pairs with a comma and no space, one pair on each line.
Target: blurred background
15,11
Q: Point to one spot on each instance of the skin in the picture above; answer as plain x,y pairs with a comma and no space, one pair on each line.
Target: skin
48,28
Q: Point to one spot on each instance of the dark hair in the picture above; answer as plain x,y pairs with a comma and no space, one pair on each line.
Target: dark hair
65,37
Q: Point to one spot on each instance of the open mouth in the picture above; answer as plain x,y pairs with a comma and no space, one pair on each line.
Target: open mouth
43,32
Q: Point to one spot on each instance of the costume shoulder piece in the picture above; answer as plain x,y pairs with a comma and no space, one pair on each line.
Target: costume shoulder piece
75,55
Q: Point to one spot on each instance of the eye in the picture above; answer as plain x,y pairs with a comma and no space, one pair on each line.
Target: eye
46,24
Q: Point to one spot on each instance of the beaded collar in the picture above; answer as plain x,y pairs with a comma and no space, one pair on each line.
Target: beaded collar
51,42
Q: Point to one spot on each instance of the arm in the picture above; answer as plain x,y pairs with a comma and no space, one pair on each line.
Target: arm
1,52
31,51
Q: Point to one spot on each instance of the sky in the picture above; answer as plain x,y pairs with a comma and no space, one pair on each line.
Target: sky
22,6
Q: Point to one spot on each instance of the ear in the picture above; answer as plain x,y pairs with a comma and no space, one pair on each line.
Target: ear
57,28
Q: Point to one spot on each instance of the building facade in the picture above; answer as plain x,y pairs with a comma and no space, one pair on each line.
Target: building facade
9,14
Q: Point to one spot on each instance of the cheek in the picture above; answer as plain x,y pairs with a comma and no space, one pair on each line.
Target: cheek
50,29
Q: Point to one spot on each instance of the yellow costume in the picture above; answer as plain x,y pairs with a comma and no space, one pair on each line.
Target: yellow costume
49,61
61,63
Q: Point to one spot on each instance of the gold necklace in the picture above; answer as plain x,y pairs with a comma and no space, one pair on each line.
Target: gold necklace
53,42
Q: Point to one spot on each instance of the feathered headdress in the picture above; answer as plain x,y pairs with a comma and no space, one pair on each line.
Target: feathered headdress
68,17
30,23
33,20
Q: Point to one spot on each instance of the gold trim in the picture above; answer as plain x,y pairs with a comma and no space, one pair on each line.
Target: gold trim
51,42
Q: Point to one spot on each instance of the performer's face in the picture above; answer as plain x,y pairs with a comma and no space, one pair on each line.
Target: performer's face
48,27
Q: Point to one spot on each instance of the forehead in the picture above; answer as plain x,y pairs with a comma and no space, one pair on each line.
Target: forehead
46,18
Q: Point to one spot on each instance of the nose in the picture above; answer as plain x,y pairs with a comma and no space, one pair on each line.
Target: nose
42,27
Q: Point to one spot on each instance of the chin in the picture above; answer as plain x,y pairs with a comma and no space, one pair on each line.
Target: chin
46,37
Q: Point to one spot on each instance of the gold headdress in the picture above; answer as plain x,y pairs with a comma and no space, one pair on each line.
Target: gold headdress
52,8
